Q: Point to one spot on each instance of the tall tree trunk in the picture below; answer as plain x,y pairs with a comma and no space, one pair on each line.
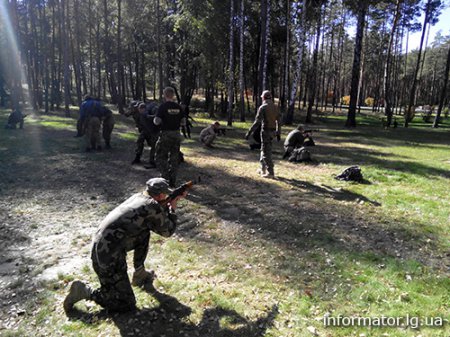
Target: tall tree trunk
300,46
65,43
285,77
312,78
443,92
158,37
241,63
231,66
412,93
351,116
121,77
263,49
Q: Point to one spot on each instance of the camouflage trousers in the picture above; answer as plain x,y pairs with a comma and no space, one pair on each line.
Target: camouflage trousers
108,126
167,154
266,151
115,292
151,140
208,139
93,133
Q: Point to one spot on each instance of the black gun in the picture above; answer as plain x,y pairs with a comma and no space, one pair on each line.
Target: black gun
177,192
222,130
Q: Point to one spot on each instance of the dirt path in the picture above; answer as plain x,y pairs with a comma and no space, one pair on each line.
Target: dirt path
52,197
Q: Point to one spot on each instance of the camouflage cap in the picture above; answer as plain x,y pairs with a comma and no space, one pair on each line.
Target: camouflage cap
157,186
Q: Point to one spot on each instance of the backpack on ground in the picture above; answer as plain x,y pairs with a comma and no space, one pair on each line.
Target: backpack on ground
352,173
300,155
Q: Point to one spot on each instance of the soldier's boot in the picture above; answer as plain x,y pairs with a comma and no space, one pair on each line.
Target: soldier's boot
270,174
78,291
150,165
136,160
107,145
262,171
141,277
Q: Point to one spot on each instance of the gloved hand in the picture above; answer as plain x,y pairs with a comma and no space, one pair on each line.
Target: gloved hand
141,277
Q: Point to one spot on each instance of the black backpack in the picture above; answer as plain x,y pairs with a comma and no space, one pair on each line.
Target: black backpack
300,155
352,173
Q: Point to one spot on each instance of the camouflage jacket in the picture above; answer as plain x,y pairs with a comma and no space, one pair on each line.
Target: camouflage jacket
127,227
268,117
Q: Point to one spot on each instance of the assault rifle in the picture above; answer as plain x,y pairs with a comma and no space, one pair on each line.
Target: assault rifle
310,130
222,130
177,192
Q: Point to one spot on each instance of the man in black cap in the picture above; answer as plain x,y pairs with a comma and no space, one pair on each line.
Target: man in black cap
126,228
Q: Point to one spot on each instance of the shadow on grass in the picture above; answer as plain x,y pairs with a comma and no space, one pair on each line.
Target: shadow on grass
306,217
171,318
352,156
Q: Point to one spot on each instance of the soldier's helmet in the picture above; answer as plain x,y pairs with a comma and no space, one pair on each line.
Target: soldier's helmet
156,186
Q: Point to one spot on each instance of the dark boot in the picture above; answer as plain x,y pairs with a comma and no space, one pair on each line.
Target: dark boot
136,160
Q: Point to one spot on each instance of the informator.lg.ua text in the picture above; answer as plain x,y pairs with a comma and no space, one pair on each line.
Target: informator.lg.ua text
413,322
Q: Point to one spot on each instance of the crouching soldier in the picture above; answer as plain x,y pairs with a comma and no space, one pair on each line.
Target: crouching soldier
209,134
126,228
16,117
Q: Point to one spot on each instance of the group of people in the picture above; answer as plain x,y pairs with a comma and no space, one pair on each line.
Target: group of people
93,116
129,225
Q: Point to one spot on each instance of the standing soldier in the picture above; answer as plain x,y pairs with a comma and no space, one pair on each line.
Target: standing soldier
127,228
143,115
268,117
170,117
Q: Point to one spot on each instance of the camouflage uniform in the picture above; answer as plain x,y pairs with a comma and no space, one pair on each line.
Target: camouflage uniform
90,117
208,135
167,154
93,140
294,140
108,126
170,116
16,117
126,228
148,131
268,117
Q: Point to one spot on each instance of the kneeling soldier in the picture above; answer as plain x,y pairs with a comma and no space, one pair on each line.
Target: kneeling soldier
126,228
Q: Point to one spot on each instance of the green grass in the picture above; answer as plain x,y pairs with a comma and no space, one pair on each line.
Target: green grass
325,248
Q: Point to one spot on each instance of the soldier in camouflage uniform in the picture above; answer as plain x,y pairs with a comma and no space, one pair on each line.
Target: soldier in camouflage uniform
170,117
90,118
268,117
126,228
107,126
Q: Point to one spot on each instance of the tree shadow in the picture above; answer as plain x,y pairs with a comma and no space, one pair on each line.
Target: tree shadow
305,217
330,192
171,318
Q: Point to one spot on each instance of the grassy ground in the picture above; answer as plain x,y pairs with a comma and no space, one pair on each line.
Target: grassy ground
251,257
